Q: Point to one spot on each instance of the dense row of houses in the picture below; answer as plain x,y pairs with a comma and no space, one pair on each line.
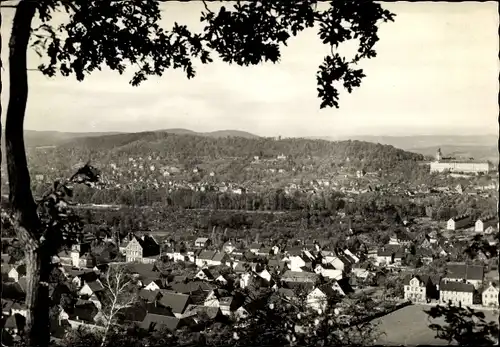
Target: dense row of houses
456,287
482,225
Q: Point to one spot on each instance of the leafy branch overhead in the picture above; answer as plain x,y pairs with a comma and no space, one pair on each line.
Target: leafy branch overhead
123,34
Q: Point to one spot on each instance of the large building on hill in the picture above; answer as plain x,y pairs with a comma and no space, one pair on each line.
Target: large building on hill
442,164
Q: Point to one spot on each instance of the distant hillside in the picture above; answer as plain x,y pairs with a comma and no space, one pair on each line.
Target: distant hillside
477,152
420,141
165,148
216,134
479,147
35,138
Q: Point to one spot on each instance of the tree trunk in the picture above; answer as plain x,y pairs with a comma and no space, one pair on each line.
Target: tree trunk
21,199
37,298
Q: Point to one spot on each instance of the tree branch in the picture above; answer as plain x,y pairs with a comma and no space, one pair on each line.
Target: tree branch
206,6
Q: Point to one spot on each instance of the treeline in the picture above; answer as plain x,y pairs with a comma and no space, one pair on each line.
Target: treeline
448,206
271,200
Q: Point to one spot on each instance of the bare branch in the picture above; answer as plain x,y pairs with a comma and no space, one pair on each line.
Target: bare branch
206,6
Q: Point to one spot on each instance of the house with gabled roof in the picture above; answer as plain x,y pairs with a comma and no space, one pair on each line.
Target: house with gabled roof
205,258
85,313
79,256
483,223
425,255
141,249
153,284
328,271
195,311
17,272
318,297
205,275
92,290
459,222
456,293
156,322
462,272
202,242
220,258
190,287
149,295
240,267
417,288
214,296
489,296
177,253
176,301
297,262
276,265
341,262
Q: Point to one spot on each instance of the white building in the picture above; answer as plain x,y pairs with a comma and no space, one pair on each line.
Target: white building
484,223
490,295
415,288
458,222
458,293
318,298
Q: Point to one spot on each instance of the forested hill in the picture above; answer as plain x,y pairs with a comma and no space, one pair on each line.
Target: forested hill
167,146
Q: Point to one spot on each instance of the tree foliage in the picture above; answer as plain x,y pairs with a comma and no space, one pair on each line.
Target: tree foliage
122,34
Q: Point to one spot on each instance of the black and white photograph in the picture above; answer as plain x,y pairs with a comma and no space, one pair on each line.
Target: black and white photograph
249,173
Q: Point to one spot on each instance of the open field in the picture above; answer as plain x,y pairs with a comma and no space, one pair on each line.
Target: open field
409,326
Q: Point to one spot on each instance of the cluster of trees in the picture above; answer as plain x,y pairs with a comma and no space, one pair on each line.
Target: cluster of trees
444,207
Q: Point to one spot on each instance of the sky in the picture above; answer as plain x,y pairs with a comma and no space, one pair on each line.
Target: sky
436,72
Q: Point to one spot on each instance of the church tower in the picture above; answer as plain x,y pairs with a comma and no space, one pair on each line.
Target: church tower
439,155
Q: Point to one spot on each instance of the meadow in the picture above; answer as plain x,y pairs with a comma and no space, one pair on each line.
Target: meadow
409,326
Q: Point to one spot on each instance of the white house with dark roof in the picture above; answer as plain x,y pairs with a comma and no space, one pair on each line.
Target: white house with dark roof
459,222
484,223
317,299
415,288
205,258
142,249
458,293
489,296
205,275
202,242
328,271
